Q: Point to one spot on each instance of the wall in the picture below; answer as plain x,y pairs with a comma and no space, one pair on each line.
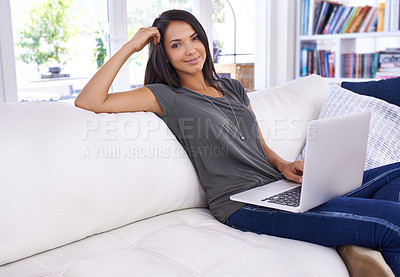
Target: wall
275,47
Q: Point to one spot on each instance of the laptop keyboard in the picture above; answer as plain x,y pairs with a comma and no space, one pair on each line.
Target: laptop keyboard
288,198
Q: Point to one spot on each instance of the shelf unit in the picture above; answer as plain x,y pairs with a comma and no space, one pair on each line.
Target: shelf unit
342,43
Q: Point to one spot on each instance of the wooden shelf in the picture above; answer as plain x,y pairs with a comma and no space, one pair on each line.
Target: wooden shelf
243,72
350,36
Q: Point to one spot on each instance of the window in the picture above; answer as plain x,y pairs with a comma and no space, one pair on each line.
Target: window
58,45
234,39
141,13
88,24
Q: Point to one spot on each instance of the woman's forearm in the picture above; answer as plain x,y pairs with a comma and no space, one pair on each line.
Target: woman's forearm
96,90
273,158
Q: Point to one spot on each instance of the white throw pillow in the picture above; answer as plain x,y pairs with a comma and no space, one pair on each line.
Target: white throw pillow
283,113
384,134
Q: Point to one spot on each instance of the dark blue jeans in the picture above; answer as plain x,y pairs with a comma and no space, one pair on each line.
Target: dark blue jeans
368,216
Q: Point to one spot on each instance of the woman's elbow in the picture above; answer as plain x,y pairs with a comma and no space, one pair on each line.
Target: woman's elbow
77,102
80,103
85,104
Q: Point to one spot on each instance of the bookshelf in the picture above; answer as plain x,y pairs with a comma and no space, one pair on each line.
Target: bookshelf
243,72
336,66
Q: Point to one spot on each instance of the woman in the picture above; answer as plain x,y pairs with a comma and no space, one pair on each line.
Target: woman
213,120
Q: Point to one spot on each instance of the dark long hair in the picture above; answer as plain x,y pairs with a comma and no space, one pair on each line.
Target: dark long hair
158,69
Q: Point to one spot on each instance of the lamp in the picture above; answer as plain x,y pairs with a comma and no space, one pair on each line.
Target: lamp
234,32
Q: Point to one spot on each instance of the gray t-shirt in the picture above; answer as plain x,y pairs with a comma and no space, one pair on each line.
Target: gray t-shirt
224,163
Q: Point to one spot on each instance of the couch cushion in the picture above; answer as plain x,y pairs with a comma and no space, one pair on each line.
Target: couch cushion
283,113
184,243
387,89
67,173
384,134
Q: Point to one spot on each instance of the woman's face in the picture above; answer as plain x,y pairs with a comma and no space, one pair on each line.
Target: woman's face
184,49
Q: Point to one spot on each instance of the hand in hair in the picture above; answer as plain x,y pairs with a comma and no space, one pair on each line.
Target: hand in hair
143,37
94,96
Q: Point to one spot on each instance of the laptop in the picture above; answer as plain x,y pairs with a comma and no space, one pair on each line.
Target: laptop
333,166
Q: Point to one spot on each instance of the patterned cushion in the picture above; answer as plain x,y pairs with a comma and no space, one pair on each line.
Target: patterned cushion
384,134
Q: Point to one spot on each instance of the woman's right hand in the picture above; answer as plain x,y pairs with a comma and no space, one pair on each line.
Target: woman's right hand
143,37
94,96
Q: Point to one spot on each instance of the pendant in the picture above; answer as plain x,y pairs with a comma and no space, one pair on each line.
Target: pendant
242,137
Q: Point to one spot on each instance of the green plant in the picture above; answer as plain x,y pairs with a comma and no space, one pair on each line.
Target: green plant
100,53
47,30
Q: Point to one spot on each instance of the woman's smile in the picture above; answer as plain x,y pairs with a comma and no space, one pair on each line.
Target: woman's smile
193,61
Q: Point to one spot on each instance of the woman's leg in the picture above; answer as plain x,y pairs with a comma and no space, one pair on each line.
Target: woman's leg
345,220
380,183
367,216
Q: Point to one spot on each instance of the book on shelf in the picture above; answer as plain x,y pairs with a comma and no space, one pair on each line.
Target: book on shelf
331,17
304,17
345,14
307,58
356,65
370,20
307,9
331,64
392,49
381,17
325,10
335,19
317,11
384,75
389,60
313,9
389,64
315,61
350,18
386,16
394,15
358,19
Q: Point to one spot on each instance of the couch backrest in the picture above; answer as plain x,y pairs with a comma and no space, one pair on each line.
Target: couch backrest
67,173
283,113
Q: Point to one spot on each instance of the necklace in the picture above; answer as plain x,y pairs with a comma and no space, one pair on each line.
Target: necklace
234,114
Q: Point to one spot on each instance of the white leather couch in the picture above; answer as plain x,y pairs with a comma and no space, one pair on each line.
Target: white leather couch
85,194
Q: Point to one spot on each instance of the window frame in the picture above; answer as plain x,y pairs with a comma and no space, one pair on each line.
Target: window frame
8,77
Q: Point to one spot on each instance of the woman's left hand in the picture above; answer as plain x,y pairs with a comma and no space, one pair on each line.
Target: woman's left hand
293,171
